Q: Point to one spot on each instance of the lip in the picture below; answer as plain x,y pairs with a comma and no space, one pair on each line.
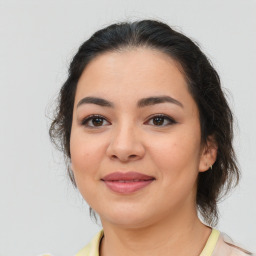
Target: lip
128,182
126,176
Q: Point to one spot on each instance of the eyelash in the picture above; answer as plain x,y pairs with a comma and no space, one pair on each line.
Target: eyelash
170,120
86,120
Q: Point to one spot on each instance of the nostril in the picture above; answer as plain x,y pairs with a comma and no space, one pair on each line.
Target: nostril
124,158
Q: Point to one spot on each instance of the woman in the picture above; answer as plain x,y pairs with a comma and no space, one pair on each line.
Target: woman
148,132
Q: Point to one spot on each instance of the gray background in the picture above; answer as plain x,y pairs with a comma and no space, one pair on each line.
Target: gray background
40,211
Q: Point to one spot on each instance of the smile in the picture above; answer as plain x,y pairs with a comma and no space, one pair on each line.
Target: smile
126,183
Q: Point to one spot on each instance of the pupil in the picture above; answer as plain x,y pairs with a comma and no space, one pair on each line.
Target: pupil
158,120
97,121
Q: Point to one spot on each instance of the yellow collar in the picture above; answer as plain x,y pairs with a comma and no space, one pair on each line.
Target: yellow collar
92,249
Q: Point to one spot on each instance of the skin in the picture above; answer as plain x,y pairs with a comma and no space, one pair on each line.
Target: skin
160,218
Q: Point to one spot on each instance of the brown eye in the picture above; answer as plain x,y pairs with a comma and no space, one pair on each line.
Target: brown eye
161,120
97,121
94,121
158,120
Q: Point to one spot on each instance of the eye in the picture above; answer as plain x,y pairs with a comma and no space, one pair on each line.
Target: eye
94,121
161,120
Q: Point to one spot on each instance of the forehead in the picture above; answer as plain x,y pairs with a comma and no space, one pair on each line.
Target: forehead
131,73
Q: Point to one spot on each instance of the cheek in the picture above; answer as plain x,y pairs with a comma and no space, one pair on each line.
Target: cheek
178,169
177,157
176,150
85,158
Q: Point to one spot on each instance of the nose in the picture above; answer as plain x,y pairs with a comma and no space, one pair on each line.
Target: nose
125,144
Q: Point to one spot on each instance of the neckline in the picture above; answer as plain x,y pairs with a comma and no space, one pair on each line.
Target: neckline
211,243
207,251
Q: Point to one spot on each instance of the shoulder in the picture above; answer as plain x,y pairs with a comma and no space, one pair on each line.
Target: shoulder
92,248
227,247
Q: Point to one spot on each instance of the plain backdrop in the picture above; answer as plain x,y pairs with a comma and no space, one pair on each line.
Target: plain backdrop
40,211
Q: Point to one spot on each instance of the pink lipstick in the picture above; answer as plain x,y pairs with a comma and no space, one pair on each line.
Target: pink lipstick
126,183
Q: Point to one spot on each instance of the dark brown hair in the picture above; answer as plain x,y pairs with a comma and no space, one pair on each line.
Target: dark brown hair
216,118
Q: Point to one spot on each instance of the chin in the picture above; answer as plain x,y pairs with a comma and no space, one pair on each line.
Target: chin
127,218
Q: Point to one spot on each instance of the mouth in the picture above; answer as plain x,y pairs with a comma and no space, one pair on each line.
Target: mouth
126,183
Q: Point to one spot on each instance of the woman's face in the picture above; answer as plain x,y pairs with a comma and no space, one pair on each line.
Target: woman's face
133,113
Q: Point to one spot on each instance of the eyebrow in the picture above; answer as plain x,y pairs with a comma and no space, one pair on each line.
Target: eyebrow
141,103
156,100
95,100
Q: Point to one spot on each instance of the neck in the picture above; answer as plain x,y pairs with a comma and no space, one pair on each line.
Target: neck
165,237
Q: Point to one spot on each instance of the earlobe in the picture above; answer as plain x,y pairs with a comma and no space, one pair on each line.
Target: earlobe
208,155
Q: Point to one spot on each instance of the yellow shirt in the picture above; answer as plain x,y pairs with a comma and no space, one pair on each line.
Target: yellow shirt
216,245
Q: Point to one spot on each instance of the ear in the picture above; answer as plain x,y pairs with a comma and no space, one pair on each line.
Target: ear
208,154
